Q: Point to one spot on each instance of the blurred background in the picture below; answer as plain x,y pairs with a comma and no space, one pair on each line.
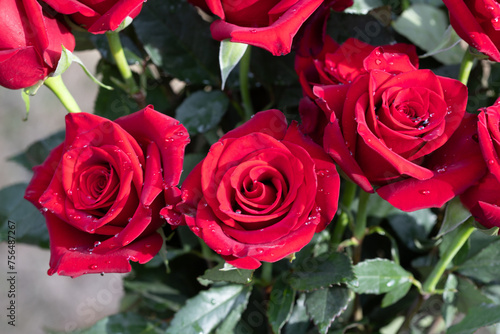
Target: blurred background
43,302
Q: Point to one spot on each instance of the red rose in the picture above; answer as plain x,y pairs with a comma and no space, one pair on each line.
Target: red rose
477,22
30,43
261,193
98,16
341,65
390,130
482,199
334,64
102,190
270,25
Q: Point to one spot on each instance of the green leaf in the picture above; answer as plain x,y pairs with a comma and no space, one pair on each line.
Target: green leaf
230,54
454,215
378,276
325,305
132,323
299,320
322,271
37,152
115,103
380,208
123,323
178,40
425,25
469,295
449,308
477,317
208,309
280,305
485,266
396,294
231,321
362,7
238,276
15,211
67,58
26,98
202,111
449,40
413,228
158,293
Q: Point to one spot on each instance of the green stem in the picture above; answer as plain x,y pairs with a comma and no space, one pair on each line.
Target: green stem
405,4
267,272
466,67
115,45
244,84
57,86
462,235
360,226
345,204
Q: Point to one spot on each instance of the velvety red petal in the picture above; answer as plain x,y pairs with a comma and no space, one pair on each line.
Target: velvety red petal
328,181
467,27
70,253
276,38
271,122
482,200
456,166
170,136
42,176
334,144
486,141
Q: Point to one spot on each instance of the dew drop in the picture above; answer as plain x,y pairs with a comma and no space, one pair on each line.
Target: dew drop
93,266
441,170
97,243
425,192
491,162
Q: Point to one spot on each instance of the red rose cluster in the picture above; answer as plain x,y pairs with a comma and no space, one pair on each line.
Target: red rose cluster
265,187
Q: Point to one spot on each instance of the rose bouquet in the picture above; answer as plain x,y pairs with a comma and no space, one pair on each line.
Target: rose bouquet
267,166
